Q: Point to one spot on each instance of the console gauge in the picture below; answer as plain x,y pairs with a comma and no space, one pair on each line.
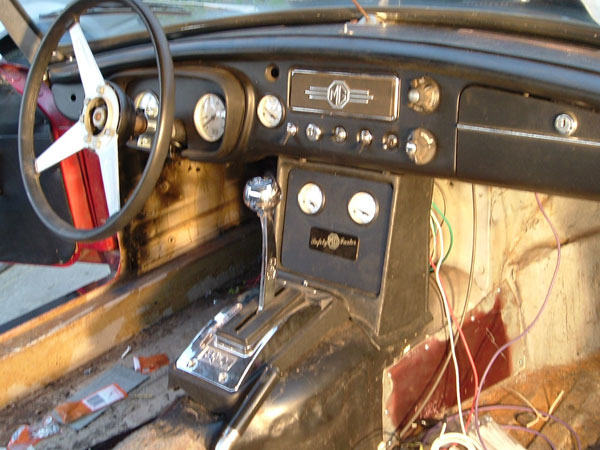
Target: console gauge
270,111
209,117
363,208
311,199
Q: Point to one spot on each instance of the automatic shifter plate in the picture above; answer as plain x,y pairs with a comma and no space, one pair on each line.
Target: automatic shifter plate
205,359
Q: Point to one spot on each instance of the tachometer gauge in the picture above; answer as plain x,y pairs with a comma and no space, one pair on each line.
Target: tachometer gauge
270,111
209,117
311,199
363,208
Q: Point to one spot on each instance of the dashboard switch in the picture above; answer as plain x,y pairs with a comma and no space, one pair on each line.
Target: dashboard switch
421,146
313,132
390,142
424,95
365,138
290,131
340,135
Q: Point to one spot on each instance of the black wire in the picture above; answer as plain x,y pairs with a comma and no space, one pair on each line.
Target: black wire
440,374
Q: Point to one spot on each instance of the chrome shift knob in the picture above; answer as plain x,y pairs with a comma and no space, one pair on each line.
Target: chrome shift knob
262,194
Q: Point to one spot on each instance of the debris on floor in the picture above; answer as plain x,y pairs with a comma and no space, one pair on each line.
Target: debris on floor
149,364
125,378
126,352
69,412
27,436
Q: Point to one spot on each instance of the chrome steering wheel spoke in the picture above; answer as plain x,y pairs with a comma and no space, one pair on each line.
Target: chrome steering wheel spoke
104,122
90,74
108,154
67,145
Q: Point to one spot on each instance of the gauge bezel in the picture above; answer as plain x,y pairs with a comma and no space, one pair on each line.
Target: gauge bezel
375,215
261,104
199,122
323,198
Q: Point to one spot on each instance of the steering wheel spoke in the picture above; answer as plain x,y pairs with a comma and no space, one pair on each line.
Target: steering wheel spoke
106,118
68,144
108,155
90,74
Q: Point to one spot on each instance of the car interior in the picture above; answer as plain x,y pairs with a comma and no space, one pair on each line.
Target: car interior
346,226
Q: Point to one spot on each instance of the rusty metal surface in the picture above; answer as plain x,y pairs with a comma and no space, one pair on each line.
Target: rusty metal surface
63,339
192,203
144,403
579,407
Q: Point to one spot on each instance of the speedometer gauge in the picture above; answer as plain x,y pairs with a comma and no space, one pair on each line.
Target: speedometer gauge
270,111
209,117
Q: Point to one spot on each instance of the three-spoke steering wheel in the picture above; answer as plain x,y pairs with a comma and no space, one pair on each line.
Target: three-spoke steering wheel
106,121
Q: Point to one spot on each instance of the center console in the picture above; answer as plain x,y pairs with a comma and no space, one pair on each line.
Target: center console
344,272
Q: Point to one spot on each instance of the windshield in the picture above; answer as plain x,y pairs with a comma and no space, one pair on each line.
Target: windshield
192,14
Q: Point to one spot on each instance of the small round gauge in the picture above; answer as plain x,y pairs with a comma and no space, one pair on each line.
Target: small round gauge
363,208
311,199
147,102
270,111
209,117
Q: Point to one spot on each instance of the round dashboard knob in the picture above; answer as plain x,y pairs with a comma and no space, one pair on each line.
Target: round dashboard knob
340,134
424,95
313,132
421,146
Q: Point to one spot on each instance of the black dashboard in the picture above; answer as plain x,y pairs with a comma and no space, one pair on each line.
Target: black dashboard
457,103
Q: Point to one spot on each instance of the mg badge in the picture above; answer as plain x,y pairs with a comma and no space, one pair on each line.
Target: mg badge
338,94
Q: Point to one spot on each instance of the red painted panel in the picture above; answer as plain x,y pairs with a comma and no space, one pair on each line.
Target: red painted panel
81,175
414,374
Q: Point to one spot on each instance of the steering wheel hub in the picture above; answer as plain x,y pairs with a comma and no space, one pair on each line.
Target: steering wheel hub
100,117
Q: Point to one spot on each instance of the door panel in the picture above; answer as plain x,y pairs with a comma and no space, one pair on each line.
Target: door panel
23,237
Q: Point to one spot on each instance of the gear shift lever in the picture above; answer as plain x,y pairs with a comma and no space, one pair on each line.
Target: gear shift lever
262,195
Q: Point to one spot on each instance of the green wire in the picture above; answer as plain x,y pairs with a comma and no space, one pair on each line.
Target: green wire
447,222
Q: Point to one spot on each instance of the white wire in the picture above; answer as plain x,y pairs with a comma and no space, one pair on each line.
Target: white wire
455,438
434,235
449,320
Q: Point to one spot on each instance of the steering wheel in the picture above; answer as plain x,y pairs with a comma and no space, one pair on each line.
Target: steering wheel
106,122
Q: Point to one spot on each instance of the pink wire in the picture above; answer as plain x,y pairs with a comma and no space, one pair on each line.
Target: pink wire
529,327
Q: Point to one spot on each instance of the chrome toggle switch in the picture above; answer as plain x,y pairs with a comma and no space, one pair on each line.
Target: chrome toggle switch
290,131
262,195
365,138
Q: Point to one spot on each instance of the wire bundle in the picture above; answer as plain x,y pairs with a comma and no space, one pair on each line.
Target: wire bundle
463,438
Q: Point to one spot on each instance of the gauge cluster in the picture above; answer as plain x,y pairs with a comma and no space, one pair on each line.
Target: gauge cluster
335,218
210,107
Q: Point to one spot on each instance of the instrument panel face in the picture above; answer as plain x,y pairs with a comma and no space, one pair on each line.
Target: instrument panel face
353,114
345,229
319,86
